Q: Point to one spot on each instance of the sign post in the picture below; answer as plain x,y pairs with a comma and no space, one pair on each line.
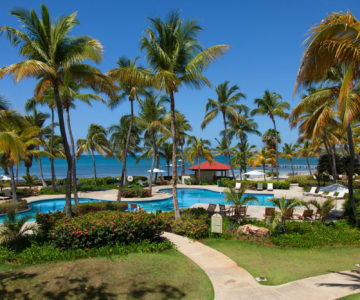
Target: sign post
216,223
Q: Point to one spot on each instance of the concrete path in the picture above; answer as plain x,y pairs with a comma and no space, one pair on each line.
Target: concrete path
232,282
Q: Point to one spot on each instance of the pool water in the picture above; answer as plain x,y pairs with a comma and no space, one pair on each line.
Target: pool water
189,197
45,206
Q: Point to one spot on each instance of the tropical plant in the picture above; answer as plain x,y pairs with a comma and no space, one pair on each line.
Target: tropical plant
198,148
286,207
323,207
165,151
14,233
289,152
261,158
151,112
30,180
96,140
49,53
226,104
237,196
271,105
306,151
176,58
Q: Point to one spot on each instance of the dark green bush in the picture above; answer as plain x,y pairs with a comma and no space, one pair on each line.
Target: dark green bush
84,208
97,229
7,206
316,234
37,254
46,222
50,191
348,213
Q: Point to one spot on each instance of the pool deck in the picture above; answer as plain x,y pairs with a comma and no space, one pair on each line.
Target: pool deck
253,211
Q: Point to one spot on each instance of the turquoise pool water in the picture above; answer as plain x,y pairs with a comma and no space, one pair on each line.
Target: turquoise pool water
46,206
189,197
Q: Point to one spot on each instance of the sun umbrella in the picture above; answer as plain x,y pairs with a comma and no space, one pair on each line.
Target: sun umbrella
157,171
334,188
254,173
4,177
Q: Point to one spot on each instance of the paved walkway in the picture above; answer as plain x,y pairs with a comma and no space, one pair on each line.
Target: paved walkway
232,282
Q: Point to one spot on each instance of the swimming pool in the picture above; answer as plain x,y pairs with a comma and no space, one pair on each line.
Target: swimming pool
189,197
45,206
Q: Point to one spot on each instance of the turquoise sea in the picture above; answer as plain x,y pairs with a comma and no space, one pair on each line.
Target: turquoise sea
112,167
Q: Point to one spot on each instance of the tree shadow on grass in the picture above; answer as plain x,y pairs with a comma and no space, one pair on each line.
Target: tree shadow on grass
140,290
71,287
353,276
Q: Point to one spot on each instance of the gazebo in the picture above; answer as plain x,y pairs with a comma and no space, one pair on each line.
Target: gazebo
208,170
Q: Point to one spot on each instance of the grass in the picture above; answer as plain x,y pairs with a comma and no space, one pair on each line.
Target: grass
351,297
281,265
136,276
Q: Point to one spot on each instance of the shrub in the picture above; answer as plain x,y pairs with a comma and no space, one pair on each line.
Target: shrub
316,234
37,254
7,206
227,182
137,192
50,191
102,228
47,221
84,208
348,213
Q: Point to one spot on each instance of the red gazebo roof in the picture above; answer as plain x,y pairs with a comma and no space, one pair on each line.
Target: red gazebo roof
211,166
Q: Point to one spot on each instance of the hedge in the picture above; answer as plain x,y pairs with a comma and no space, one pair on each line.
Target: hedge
97,229
84,208
7,206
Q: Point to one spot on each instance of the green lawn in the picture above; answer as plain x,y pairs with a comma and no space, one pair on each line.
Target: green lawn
351,297
166,275
280,265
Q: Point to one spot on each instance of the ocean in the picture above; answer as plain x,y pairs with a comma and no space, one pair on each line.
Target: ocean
112,167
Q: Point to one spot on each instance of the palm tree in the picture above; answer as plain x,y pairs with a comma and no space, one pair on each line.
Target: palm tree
222,148
285,206
306,151
95,141
289,152
261,158
176,57
198,148
165,151
128,89
237,196
323,207
151,113
334,42
49,52
228,97
271,106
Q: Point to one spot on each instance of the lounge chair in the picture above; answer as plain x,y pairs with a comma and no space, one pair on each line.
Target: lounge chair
269,212
211,209
7,195
330,195
270,186
319,194
223,210
237,185
240,211
260,186
340,195
289,214
306,215
311,193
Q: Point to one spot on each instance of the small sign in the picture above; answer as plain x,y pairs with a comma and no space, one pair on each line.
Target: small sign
216,223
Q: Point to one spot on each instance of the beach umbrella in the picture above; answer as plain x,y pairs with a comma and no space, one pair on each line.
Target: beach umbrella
4,177
254,173
157,171
334,188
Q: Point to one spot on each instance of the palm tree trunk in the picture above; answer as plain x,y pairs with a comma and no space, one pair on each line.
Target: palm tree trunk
351,172
94,165
17,174
152,164
199,174
41,171
332,155
53,177
168,167
76,197
59,107
276,150
264,172
183,160
12,183
292,167
227,146
174,157
128,136
308,164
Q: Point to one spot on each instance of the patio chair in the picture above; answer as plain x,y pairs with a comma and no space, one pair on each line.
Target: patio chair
211,209
7,195
269,212
340,195
237,185
260,186
311,193
306,215
289,214
270,186
224,211
330,195
240,211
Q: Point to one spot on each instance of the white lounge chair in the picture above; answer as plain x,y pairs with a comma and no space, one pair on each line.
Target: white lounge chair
270,186
311,193
237,185
330,195
260,186
340,195
319,194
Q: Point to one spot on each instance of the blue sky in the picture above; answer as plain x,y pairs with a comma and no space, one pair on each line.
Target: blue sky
266,48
